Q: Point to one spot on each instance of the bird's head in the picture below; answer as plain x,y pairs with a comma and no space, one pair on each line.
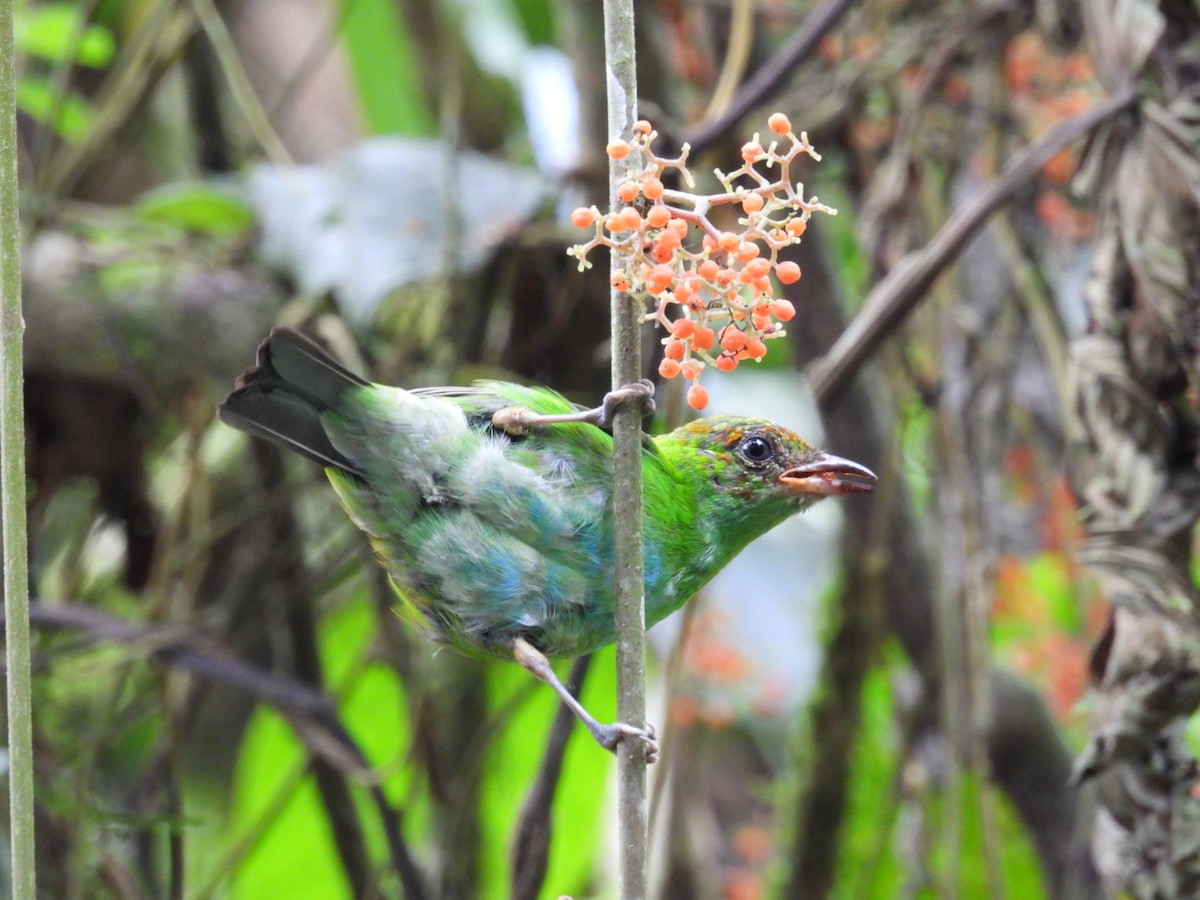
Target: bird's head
763,463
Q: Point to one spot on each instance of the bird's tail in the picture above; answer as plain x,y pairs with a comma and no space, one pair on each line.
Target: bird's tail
282,396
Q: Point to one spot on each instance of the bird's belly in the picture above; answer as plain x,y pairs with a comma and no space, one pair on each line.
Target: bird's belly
479,628
478,588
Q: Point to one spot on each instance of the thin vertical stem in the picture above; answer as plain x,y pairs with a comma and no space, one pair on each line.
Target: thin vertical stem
627,477
12,483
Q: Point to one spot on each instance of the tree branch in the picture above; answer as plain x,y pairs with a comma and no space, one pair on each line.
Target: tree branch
893,298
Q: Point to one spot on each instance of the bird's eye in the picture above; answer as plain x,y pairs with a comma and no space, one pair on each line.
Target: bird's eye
755,449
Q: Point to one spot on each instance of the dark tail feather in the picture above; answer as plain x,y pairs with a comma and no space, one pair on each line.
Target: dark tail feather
283,395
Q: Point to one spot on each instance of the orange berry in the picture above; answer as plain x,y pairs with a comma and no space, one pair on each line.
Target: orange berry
755,348
779,123
678,227
758,267
697,396
797,227
690,370
683,328
733,340
652,188
661,252
762,323
725,277
658,217
683,293
617,150
619,280
583,217
726,363
659,278
746,251
674,350
668,368
783,310
787,272
709,270
628,191
703,338
752,203
694,303
669,239
762,285
728,241
745,277
641,126
709,243
630,219
752,150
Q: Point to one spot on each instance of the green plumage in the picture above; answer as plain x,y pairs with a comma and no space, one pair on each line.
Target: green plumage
491,536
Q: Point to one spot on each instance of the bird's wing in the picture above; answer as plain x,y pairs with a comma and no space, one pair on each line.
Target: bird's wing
490,396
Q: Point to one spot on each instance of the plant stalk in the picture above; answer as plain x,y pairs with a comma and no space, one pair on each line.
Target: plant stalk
621,78
12,484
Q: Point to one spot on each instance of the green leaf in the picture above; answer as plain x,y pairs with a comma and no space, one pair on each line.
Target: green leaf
294,854
299,828
198,208
72,115
385,68
56,32
537,20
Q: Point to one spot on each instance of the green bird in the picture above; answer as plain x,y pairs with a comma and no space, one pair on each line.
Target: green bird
489,506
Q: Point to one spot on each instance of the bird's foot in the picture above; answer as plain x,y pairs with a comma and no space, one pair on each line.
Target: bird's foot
641,392
517,420
608,736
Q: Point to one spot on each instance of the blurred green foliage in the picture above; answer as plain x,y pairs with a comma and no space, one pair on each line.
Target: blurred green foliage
386,72
52,37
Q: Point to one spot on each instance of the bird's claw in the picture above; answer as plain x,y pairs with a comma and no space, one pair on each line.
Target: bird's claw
608,736
641,391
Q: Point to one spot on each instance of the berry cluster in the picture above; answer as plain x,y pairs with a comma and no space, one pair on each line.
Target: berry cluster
721,283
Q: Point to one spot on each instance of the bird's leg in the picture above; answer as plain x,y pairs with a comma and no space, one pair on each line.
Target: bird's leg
536,664
517,420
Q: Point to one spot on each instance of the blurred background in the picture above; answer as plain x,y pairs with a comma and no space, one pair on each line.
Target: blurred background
881,699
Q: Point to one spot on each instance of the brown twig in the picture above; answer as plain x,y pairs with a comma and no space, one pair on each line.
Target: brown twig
893,298
771,75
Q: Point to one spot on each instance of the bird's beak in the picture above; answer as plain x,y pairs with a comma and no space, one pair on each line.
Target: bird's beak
827,475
